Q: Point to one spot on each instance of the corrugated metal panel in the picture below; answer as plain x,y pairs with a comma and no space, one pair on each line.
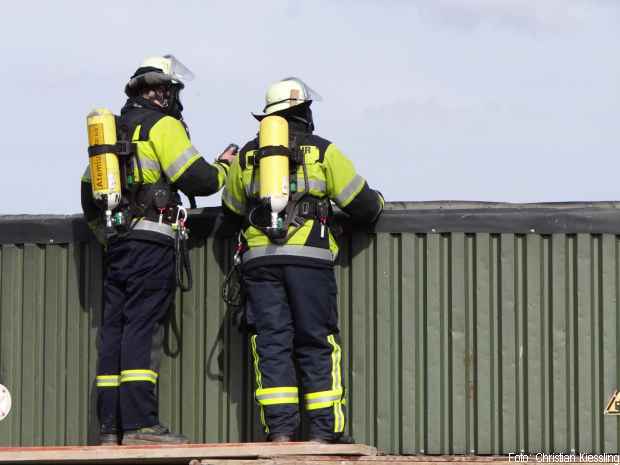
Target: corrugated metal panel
455,343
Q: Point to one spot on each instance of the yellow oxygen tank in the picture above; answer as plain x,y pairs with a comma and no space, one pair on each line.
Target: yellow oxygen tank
274,170
104,168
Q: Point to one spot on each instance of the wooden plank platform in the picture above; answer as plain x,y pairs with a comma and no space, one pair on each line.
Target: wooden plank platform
362,460
234,454
291,453
178,454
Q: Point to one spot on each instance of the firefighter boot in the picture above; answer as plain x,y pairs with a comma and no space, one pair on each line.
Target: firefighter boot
108,439
156,434
280,438
343,439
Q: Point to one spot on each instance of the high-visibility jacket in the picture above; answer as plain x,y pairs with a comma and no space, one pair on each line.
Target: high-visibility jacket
166,154
330,175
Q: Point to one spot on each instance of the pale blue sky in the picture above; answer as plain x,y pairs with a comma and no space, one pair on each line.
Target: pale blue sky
507,100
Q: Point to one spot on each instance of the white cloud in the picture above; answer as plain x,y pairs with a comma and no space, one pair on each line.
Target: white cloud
523,15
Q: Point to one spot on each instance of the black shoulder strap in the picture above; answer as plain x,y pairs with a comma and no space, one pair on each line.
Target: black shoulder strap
318,142
147,123
243,154
295,141
125,127
144,118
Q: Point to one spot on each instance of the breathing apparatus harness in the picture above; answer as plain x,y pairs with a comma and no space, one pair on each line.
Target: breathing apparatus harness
301,205
157,202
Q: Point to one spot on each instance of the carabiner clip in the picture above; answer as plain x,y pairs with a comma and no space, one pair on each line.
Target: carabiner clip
181,209
239,249
180,221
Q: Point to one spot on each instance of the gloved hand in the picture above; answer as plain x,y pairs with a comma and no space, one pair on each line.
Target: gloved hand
229,154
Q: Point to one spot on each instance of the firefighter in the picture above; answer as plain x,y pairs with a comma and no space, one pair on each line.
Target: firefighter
139,283
288,276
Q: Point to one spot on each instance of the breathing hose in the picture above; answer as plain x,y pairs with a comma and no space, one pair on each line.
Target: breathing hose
181,252
232,293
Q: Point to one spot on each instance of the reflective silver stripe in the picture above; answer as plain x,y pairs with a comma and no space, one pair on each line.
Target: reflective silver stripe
356,184
315,184
228,198
294,250
319,400
277,395
86,174
181,160
249,192
149,164
161,228
252,188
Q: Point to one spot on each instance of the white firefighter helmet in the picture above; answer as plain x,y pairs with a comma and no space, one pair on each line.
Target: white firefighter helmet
159,70
287,93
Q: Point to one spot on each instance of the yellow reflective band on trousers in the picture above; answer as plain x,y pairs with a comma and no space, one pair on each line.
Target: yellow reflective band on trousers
277,395
108,381
259,380
322,399
336,383
129,376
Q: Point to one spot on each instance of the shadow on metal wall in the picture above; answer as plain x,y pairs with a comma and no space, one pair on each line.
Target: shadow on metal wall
89,260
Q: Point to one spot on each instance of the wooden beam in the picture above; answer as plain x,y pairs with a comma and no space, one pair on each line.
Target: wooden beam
175,453
364,460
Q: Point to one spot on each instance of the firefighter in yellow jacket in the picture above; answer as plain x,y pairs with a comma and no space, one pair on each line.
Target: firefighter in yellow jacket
140,282
287,267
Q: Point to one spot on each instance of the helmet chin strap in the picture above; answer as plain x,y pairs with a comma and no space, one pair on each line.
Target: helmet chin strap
175,107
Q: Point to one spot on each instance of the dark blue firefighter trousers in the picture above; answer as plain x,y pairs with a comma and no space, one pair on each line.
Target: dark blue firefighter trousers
138,292
292,315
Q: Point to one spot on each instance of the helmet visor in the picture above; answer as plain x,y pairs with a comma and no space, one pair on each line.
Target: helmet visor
178,70
310,93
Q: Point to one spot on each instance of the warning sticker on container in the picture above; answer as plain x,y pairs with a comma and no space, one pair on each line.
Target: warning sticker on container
5,402
95,134
112,181
613,406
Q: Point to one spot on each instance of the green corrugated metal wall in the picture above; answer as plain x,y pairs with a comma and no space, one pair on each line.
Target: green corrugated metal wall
454,343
